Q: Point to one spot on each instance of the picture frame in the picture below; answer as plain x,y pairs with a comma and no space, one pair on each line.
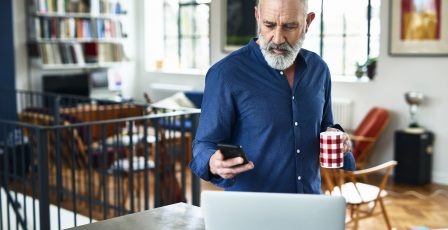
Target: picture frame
239,24
418,28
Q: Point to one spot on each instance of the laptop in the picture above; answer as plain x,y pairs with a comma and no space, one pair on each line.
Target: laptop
252,210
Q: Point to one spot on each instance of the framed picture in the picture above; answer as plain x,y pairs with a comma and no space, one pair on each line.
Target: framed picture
240,24
418,28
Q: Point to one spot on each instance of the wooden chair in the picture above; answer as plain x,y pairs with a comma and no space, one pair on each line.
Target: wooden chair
362,199
367,134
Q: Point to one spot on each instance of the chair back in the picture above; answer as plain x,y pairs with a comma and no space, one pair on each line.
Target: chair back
70,142
368,132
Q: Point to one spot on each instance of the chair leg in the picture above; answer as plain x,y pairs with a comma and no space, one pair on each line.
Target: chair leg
352,212
356,219
383,210
126,189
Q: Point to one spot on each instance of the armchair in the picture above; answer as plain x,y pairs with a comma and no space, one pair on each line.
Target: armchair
367,133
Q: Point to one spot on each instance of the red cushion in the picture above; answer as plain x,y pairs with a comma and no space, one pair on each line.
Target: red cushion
370,126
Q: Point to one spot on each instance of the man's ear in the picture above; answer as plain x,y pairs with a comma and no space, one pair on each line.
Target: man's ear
257,15
309,19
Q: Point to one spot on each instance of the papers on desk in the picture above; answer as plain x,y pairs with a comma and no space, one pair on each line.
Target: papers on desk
138,164
125,140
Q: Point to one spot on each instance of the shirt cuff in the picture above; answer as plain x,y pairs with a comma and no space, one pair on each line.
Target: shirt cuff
200,166
349,162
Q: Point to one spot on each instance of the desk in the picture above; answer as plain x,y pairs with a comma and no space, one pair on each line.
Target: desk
175,216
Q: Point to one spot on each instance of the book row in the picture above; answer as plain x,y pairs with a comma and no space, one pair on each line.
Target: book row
71,28
54,54
79,6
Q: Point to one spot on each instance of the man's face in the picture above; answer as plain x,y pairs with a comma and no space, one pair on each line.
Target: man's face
282,26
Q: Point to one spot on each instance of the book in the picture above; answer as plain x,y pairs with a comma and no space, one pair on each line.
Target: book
37,28
64,54
44,54
91,52
95,7
56,54
78,53
54,27
72,28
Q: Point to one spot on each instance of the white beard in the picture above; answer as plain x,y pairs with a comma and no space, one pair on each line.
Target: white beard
280,61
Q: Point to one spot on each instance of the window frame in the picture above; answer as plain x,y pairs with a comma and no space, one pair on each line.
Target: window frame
180,36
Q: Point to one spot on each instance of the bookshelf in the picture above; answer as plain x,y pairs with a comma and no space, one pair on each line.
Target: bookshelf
77,34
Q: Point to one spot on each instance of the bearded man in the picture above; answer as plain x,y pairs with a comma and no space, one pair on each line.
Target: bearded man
273,98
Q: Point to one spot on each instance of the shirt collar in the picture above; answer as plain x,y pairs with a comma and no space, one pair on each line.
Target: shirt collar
300,59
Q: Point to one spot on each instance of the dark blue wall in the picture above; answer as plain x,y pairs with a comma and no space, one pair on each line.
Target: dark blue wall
7,64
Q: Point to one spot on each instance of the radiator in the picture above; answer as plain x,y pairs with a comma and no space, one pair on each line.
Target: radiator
342,112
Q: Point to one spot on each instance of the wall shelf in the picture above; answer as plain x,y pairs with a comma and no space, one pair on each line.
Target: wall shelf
73,34
79,15
77,66
79,40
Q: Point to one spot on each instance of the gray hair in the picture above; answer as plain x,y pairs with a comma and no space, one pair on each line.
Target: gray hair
305,4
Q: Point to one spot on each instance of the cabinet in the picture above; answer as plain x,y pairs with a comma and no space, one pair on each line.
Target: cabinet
413,152
76,34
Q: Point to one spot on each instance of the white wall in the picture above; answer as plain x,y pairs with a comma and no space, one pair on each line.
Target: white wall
396,75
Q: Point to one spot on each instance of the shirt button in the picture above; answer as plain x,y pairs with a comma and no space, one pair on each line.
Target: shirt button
281,72
296,123
298,150
293,97
300,178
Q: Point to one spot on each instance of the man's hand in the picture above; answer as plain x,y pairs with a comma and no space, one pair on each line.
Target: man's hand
345,139
229,168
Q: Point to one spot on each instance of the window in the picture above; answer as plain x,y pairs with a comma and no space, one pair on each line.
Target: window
177,34
344,34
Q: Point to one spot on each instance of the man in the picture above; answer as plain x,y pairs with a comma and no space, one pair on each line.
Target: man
273,98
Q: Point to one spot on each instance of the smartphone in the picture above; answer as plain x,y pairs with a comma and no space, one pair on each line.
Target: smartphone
232,151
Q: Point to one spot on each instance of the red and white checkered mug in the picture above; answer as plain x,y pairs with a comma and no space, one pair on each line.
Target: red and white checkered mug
331,145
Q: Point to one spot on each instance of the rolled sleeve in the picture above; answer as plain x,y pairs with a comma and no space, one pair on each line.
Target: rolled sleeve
215,126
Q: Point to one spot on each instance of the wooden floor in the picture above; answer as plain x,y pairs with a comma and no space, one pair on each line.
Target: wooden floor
408,207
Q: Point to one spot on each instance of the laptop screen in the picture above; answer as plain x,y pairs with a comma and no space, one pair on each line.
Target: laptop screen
250,210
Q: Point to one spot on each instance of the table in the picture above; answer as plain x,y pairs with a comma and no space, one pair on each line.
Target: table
176,216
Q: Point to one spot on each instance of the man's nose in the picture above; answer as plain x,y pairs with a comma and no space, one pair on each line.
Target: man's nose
278,38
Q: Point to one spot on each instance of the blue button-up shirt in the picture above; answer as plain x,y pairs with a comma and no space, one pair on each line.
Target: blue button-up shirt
248,103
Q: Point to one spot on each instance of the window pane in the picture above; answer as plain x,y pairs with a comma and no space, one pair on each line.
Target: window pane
312,40
187,59
345,31
356,48
171,14
203,1
374,46
375,29
179,45
171,54
186,20
332,53
202,53
202,20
